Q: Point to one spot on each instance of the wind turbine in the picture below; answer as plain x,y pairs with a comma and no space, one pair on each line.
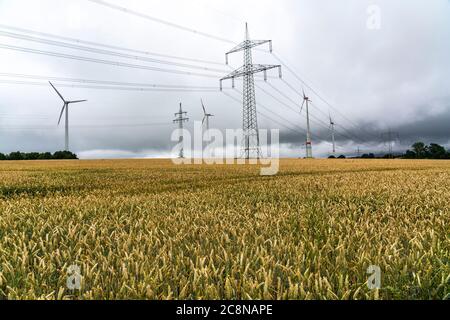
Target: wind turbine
306,101
332,124
65,108
206,117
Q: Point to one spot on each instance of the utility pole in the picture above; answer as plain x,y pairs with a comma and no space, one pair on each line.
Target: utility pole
250,144
390,137
180,119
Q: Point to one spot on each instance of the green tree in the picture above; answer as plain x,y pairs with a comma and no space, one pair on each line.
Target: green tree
31,156
16,156
436,151
45,156
64,155
410,154
419,149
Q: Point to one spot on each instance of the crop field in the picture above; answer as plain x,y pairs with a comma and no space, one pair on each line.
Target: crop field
148,229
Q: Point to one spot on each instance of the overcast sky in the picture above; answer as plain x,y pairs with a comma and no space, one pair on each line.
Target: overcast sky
395,77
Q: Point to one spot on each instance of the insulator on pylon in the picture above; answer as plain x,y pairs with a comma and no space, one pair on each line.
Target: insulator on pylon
280,73
265,75
226,59
270,46
232,83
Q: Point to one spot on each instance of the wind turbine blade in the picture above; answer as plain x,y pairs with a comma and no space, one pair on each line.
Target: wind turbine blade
59,94
203,106
301,109
77,101
204,118
304,95
60,116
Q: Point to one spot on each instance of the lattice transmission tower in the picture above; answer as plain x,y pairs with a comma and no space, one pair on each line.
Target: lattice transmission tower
390,138
250,144
180,119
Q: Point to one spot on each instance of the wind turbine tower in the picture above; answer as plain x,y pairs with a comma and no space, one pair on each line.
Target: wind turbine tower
306,102
65,109
250,144
181,119
332,124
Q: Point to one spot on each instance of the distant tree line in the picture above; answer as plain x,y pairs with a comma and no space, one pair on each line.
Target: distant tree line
419,150
422,151
59,155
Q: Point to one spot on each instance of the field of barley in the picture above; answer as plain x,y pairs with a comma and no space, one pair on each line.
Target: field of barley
148,229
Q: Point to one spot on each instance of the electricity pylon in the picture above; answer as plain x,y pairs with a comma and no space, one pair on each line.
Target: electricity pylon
306,101
181,119
250,144
390,137
332,124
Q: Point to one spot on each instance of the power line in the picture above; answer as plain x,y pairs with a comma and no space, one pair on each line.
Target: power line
99,126
104,87
296,129
315,136
349,136
101,61
316,120
275,114
141,15
286,120
97,44
276,99
167,23
282,93
262,114
115,83
314,105
317,94
107,52
24,116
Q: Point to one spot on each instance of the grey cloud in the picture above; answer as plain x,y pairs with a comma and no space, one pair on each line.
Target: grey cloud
396,77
